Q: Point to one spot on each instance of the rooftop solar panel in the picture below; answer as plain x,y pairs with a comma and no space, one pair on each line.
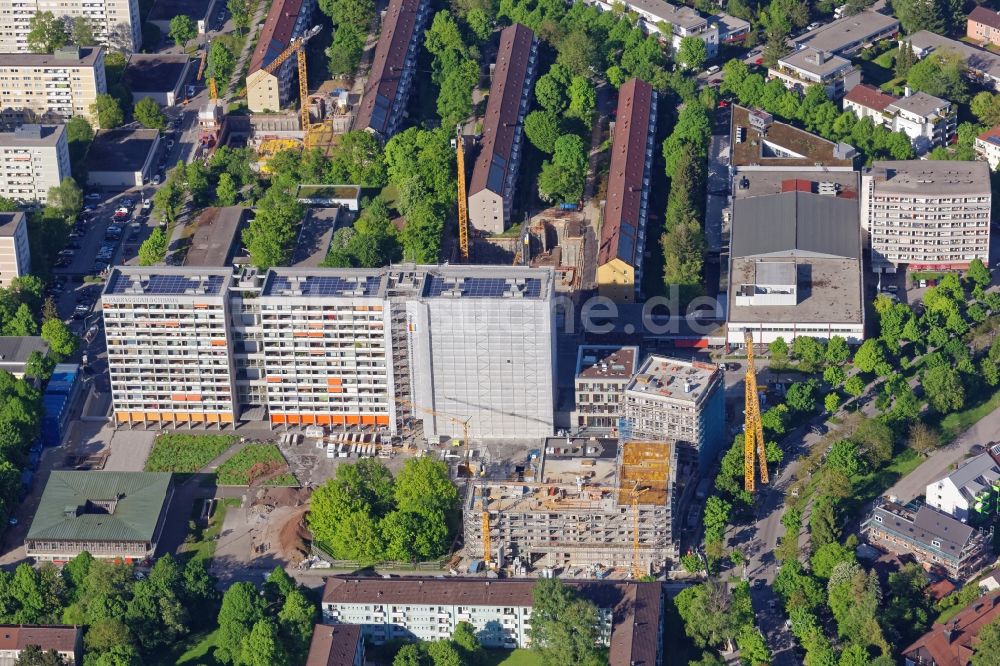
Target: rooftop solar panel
166,284
323,285
626,248
994,139
494,179
472,287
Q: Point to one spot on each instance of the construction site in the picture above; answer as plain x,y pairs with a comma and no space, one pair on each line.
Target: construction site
588,506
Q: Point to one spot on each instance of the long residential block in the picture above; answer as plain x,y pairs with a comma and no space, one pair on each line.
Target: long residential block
286,20
494,175
383,102
116,23
33,158
51,88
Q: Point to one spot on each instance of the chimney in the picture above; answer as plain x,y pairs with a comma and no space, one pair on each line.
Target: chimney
820,57
907,91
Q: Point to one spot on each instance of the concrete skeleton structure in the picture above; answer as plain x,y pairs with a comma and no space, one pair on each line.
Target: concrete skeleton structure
494,174
51,88
808,66
286,20
926,214
365,349
116,23
929,121
33,159
65,640
15,255
602,373
970,493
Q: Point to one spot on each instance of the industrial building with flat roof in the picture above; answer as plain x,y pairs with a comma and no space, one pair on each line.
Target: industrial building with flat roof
286,20
926,214
383,102
15,253
33,160
122,157
630,624
848,35
623,231
759,141
494,175
602,373
111,515
158,76
677,400
352,348
795,257
51,88
217,236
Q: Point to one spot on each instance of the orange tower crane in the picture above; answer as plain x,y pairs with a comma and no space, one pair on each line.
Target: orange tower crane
298,48
463,204
753,430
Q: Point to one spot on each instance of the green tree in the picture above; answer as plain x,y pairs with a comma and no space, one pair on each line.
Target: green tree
357,158
801,397
834,375
978,274
344,53
988,645
940,74
46,33
692,52
869,355
444,653
876,437
66,198
582,99
563,627
576,53
465,639
221,63
168,200
33,656
753,647
62,343
242,608
944,389
854,597
295,620
845,457
108,111
713,616
810,352
226,193
778,349
240,11
270,236
411,654
182,30
854,386
562,177
424,487
543,129
551,89
828,556
454,102
82,32
824,526
148,113
916,15
261,646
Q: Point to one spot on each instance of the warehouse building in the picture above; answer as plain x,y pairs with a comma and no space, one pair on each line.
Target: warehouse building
158,76
122,158
491,190
286,20
50,88
33,159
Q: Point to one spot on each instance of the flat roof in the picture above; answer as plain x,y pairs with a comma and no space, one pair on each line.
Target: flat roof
154,72
33,136
814,61
15,349
847,32
215,237
315,236
328,192
607,362
758,150
680,15
921,104
121,150
9,222
167,281
976,59
164,10
333,645
87,56
277,33
732,23
931,177
503,110
674,378
100,506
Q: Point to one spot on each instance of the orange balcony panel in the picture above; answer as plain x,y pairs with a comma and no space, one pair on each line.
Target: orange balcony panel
368,419
274,380
218,343
225,418
277,418
353,419
382,419
135,416
334,389
198,417
292,418
337,381
178,397
323,419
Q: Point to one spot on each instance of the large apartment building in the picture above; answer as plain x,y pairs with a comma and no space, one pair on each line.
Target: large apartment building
383,102
286,20
926,214
602,373
623,232
115,23
972,492
33,158
15,255
375,349
678,400
50,88
491,190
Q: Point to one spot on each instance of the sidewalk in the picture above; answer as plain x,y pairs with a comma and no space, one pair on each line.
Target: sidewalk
234,81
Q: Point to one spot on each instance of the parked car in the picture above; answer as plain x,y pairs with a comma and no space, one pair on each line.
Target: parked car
156,179
127,202
81,311
92,196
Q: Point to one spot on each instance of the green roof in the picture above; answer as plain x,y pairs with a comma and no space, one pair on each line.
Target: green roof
328,191
100,506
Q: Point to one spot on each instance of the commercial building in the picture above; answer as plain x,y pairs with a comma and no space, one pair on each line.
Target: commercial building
50,88
677,400
494,175
111,515
115,23
335,348
337,645
926,214
383,102
929,121
682,21
759,143
623,231
571,506
807,67
158,76
933,538
65,640
602,373
217,236
795,257
122,158
952,643
33,159
982,66
15,350
983,25
15,255
987,146
970,493
848,35
630,614
286,20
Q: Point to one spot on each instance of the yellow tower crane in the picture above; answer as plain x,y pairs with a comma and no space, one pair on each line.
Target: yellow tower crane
298,48
753,430
636,567
463,204
487,546
212,90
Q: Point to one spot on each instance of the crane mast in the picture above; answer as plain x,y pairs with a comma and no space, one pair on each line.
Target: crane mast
753,430
463,207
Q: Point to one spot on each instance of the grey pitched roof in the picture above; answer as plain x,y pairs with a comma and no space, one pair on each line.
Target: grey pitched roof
932,524
796,224
975,476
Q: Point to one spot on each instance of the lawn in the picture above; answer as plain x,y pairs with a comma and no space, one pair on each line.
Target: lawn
955,423
203,543
518,657
176,452
200,651
874,72
254,461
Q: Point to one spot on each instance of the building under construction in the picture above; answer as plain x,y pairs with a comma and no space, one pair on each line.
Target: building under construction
594,504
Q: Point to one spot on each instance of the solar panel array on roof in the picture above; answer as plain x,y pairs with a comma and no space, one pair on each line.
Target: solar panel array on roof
165,284
494,180
484,287
381,111
323,285
994,139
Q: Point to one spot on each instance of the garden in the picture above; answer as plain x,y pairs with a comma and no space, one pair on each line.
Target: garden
254,463
176,452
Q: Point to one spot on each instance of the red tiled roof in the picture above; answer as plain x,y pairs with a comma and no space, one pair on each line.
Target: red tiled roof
869,97
985,16
619,233
991,132
503,108
61,638
276,34
333,645
952,643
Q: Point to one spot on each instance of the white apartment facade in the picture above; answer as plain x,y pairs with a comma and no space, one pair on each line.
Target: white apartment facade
683,21
115,22
968,492
51,88
602,373
33,159
807,67
927,120
926,214
987,146
15,256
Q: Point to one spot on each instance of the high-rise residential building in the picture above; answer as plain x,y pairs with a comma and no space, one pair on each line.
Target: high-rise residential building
602,373
115,23
50,88
365,348
15,256
286,20
33,158
926,214
494,176
677,400
383,102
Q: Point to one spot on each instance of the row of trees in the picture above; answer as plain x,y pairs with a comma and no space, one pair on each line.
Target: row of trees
352,20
